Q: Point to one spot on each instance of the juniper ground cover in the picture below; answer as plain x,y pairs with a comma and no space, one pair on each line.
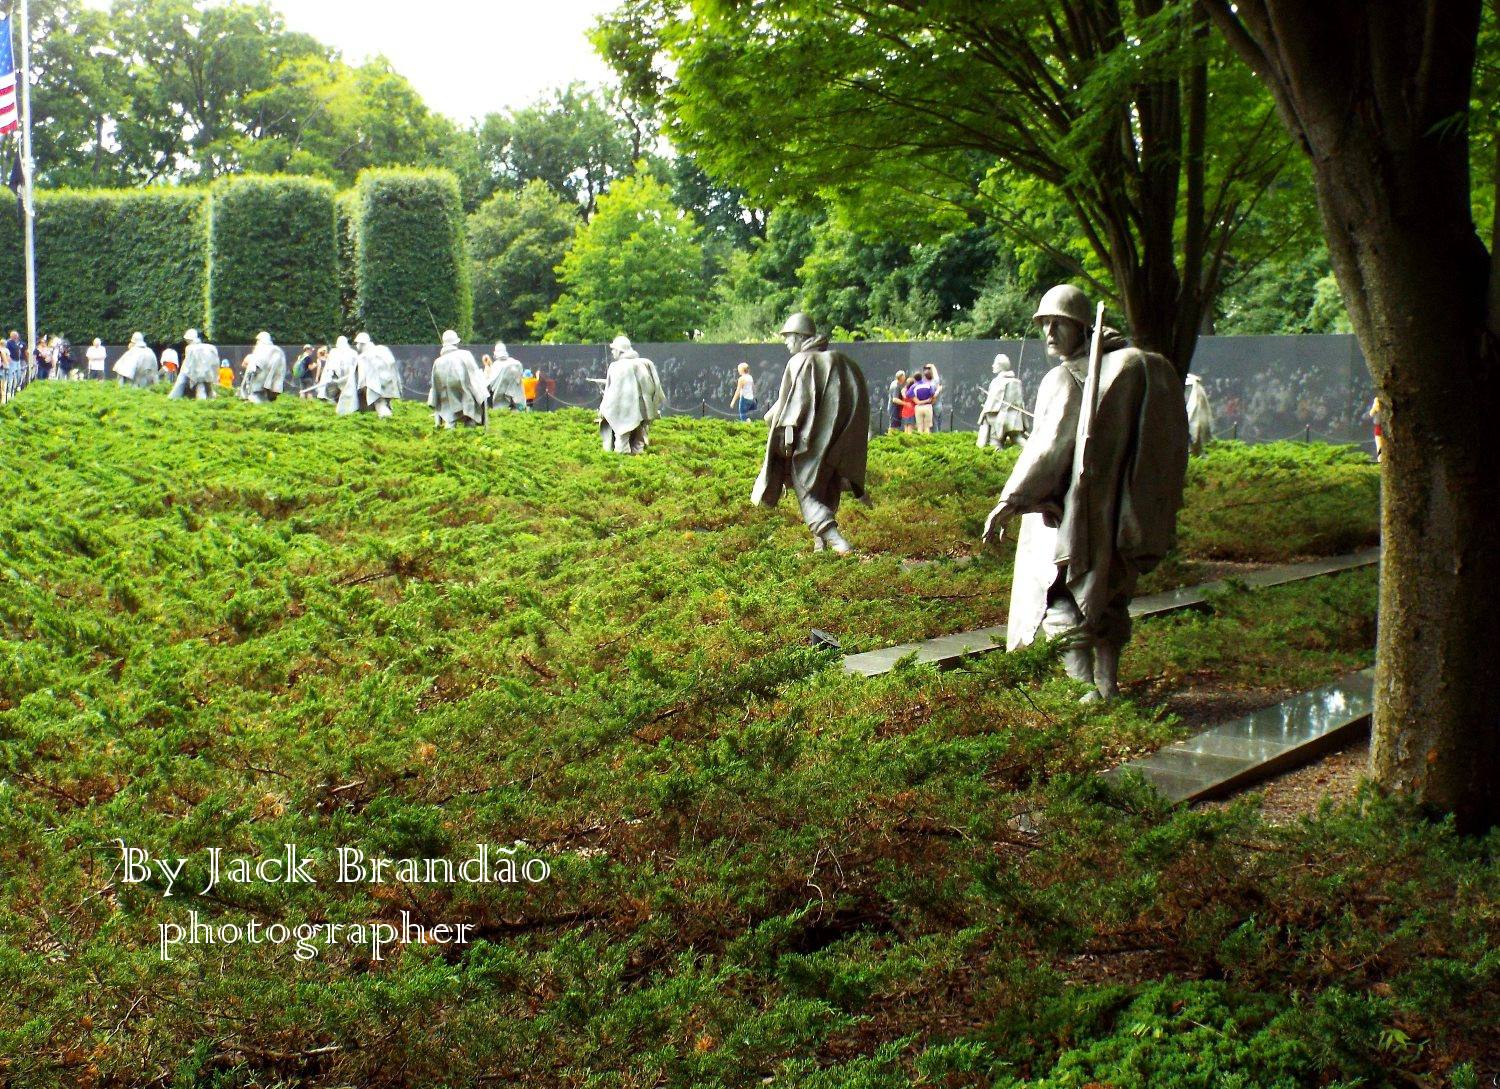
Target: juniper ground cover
242,627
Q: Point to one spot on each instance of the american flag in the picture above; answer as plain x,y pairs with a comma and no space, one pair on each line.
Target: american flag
9,120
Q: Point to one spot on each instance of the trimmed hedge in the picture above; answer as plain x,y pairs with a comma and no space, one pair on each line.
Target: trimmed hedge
412,257
274,260
284,254
109,263
347,207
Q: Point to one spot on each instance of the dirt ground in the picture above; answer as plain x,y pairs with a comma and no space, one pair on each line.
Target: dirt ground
1300,791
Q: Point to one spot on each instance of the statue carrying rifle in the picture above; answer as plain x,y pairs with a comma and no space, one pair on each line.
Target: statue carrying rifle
1098,486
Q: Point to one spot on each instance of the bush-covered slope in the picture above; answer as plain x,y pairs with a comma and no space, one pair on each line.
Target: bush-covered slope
244,626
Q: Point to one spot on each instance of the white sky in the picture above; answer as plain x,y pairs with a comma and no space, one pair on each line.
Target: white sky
466,58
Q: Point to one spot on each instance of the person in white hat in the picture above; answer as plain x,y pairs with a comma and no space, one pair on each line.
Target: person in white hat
95,355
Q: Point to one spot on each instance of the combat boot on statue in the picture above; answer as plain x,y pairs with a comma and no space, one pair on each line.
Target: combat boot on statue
834,540
1078,663
1106,670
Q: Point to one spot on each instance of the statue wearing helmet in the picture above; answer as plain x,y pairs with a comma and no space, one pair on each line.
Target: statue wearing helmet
265,371
459,393
1002,420
199,374
376,380
820,432
137,366
505,380
336,372
1098,483
632,398
1200,415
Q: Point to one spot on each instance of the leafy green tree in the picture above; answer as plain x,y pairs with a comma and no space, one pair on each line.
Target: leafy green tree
573,141
318,116
516,241
77,89
1136,123
193,68
177,90
758,286
636,267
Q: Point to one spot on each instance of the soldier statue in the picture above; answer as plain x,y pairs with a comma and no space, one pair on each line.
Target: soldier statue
820,433
459,393
632,398
265,371
1200,414
137,366
504,380
376,380
1098,484
1002,420
198,376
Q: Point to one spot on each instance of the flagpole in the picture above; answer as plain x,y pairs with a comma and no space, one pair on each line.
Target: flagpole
27,196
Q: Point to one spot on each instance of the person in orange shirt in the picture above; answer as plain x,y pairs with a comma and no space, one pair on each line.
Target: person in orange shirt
528,387
226,374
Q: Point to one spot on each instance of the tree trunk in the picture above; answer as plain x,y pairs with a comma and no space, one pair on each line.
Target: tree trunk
1437,706
1377,94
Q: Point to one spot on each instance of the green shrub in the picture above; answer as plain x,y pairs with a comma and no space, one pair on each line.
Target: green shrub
274,260
111,262
411,255
347,206
353,632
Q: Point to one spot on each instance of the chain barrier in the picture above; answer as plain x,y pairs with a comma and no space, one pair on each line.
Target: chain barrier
720,412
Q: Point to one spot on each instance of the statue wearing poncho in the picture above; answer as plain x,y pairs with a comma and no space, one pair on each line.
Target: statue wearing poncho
337,368
1200,415
632,398
137,366
1099,484
820,433
199,373
504,378
1002,420
376,381
265,371
459,392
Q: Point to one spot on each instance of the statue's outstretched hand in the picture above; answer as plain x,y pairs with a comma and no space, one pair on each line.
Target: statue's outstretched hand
994,525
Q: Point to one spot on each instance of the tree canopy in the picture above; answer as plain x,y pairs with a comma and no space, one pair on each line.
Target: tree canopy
517,240
1153,141
636,267
183,91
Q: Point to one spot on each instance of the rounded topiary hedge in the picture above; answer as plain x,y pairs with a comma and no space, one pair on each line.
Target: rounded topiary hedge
110,263
273,244
284,254
347,208
411,256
